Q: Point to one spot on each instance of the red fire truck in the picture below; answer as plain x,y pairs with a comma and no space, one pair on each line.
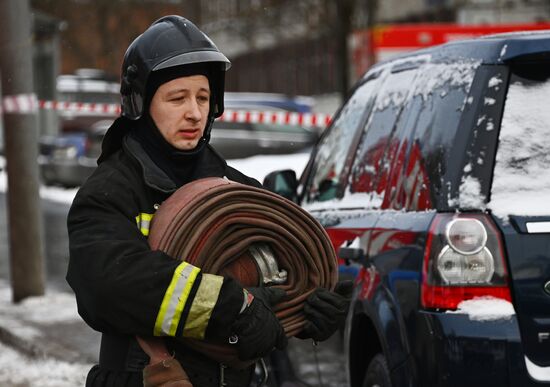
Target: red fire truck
385,41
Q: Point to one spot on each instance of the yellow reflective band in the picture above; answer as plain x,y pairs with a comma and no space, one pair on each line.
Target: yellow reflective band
203,304
143,221
174,299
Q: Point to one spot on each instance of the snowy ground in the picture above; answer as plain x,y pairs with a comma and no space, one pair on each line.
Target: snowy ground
17,370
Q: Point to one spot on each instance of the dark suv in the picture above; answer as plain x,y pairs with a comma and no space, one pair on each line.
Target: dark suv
433,183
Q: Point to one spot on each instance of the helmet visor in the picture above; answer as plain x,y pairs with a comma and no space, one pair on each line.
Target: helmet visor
194,57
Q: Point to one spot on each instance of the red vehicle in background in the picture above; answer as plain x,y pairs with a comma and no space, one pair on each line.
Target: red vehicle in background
387,41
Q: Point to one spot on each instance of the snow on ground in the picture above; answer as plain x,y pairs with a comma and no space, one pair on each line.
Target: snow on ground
35,309
20,371
58,194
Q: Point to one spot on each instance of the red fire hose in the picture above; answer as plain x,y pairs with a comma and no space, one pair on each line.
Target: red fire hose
217,224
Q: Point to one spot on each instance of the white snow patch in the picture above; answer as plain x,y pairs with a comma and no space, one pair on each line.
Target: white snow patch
15,326
469,194
480,120
38,309
456,75
259,166
503,51
520,202
495,81
486,309
58,194
521,180
358,200
489,101
18,370
355,244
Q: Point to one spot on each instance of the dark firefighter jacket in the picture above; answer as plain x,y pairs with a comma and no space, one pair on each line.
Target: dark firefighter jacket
123,288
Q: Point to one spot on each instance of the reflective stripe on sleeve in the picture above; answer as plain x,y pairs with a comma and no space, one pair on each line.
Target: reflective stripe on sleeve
143,222
174,300
203,304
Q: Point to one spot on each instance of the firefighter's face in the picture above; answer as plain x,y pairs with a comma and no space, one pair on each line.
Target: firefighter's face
179,108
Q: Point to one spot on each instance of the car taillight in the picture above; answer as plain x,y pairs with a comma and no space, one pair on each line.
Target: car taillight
464,258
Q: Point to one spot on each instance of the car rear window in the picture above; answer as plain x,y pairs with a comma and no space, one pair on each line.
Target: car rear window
521,178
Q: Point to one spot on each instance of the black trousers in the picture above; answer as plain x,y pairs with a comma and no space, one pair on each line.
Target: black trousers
121,362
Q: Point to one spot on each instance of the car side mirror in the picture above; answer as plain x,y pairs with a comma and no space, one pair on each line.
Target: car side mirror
283,183
351,254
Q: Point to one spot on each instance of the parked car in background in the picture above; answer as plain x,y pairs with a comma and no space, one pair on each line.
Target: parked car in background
433,183
69,158
86,87
236,140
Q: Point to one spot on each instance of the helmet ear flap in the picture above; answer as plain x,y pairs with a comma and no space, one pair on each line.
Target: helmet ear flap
217,83
132,101
128,77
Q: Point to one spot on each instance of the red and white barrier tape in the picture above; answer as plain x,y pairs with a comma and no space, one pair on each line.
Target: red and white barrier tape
81,107
27,103
19,104
278,118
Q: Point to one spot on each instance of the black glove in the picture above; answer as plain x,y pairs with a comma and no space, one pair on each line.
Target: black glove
257,329
270,296
326,311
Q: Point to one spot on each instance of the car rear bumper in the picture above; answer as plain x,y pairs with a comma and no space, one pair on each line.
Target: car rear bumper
465,352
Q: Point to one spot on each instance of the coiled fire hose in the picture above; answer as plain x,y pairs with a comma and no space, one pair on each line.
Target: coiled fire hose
253,235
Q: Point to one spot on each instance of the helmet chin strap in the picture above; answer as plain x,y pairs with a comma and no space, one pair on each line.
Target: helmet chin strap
205,139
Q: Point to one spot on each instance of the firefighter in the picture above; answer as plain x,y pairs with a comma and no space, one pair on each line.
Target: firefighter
172,87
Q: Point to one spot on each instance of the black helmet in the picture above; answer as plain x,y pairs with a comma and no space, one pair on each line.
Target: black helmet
169,42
